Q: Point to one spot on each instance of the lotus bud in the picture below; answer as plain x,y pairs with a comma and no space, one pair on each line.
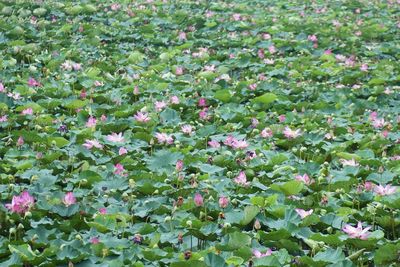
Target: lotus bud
189,224
12,230
329,230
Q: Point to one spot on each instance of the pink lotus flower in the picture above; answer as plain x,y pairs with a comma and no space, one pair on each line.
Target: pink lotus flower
182,36
312,38
305,179
266,133
253,86
27,111
209,68
269,61
89,144
272,49
258,254
103,118
229,140
187,129
203,115
291,134
378,123
115,138
142,117
103,211
179,166
119,169
136,90
261,53
33,83
351,162
3,118
240,144
178,71
22,203
214,144
20,141
91,122
357,232
94,240
69,199
223,202
174,100
198,200
76,66
302,213
2,88
160,105
364,67
202,102
369,186
98,83
281,118
241,179
164,138
385,190
122,151
236,17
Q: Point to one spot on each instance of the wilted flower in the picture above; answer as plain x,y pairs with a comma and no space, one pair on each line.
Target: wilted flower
290,134
357,232
305,179
22,203
198,200
385,190
142,117
223,202
302,213
89,144
115,138
241,179
69,199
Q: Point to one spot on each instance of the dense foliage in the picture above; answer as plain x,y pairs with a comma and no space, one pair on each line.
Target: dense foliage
199,133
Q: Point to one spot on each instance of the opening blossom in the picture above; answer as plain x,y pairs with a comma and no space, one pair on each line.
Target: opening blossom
22,203
223,202
69,199
142,117
385,190
291,134
163,138
305,179
187,129
241,179
89,144
303,213
357,232
119,169
258,253
115,138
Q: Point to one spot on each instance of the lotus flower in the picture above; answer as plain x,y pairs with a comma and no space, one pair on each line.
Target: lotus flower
305,179
89,144
91,122
302,213
22,203
241,179
27,111
357,232
160,105
266,133
187,129
122,151
214,144
385,190
198,200
258,254
351,162
69,199
291,134
223,202
142,117
163,138
115,138
119,169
